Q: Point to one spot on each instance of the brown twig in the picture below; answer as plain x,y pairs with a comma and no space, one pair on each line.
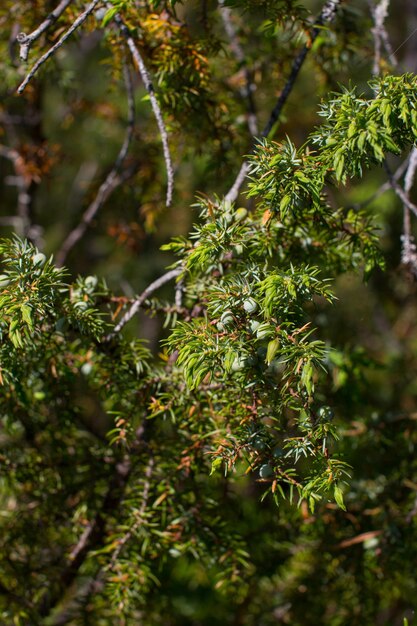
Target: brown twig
77,23
25,41
112,180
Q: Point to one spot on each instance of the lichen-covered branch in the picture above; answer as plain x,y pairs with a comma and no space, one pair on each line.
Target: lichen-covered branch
144,74
77,23
25,41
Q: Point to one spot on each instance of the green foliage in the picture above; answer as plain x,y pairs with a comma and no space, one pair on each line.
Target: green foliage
239,443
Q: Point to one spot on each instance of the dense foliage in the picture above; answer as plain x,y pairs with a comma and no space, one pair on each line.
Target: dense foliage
229,440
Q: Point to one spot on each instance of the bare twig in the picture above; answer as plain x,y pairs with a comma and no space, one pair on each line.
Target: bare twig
326,16
156,284
26,41
411,171
249,87
113,179
154,102
77,23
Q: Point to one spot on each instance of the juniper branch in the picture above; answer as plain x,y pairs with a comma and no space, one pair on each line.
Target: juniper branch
90,539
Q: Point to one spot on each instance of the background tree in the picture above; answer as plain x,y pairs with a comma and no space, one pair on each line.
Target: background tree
229,440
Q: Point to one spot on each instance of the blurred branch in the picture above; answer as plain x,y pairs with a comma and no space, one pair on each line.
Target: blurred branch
91,538
22,181
408,252
26,41
94,536
249,87
400,191
154,102
113,179
15,599
385,187
327,14
80,19
379,14
233,192
156,284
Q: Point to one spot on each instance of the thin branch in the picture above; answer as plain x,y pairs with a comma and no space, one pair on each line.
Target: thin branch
179,291
113,179
400,191
138,514
411,171
385,186
90,539
26,41
409,252
381,39
233,192
326,16
379,14
80,19
94,537
249,87
154,102
156,284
